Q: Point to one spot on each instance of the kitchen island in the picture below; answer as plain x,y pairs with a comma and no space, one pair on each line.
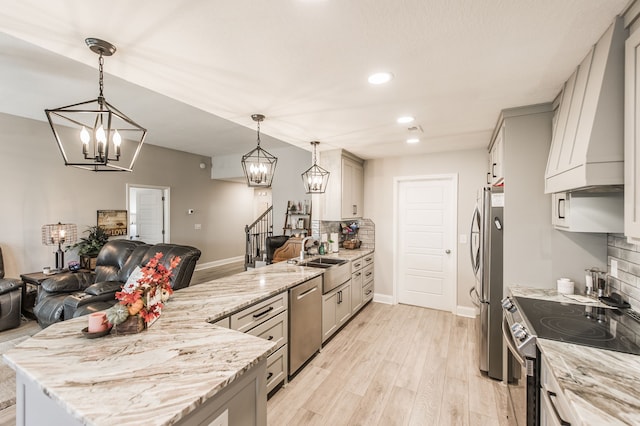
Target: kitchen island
164,375
600,385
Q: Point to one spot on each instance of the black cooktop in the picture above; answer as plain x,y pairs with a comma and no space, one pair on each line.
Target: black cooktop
604,328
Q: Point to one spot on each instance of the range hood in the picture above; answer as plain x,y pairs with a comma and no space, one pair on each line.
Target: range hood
587,148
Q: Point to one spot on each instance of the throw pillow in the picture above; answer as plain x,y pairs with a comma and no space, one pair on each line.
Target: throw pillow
132,281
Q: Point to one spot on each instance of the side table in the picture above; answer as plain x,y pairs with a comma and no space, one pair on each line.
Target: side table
31,288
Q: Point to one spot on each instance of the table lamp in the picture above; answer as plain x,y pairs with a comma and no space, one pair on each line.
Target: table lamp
59,234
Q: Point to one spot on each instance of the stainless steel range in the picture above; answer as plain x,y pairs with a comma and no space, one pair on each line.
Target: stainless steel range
527,319
523,365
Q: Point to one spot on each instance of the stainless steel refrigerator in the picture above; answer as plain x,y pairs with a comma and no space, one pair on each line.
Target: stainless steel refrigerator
486,261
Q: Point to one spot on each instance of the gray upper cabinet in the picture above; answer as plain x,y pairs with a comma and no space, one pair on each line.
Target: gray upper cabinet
587,144
632,139
344,197
496,159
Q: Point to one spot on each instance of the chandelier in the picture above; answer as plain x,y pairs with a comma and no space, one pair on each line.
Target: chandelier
258,165
95,135
315,178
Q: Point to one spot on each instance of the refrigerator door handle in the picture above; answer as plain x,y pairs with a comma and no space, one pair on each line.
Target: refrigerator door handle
475,300
475,258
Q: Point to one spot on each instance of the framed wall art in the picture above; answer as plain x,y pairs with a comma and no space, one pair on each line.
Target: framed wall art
114,222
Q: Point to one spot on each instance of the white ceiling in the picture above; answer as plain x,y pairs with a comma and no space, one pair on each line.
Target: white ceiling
191,71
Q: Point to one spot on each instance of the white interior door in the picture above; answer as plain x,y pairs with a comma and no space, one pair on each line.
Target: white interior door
148,210
425,236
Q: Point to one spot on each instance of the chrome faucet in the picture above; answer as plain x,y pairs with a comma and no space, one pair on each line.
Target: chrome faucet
304,242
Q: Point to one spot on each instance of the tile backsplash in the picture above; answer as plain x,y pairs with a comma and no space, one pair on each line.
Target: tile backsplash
627,256
366,230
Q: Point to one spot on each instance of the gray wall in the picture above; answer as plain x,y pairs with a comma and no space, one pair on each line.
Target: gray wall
287,182
469,165
38,189
536,254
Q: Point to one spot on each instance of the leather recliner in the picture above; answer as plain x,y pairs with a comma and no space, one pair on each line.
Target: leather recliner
10,299
70,295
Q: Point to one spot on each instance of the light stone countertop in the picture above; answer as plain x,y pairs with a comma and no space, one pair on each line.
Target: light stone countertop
164,373
600,385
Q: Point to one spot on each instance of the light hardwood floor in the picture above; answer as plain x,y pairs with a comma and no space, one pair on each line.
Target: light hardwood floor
394,365
221,271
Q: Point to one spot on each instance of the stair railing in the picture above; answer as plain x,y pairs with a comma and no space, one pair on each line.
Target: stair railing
255,236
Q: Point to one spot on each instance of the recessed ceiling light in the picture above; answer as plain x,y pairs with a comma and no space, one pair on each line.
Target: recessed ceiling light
380,78
413,140
405,119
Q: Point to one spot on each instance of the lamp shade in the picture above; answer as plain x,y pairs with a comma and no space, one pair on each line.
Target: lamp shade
59,233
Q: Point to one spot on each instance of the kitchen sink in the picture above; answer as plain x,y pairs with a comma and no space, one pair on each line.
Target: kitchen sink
337,271
315,264
323,262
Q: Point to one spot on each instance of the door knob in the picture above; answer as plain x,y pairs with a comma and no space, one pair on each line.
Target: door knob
447,251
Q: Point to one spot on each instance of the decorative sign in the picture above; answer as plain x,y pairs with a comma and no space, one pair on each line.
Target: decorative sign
114,222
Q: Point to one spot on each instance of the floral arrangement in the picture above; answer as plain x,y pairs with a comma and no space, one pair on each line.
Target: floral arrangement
145,296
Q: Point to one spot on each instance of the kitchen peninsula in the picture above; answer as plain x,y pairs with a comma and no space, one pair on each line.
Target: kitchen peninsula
165,375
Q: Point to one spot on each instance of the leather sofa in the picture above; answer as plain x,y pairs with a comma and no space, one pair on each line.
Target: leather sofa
10,299
70,294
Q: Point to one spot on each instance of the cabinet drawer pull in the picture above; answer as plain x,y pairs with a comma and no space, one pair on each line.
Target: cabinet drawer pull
270,375
368,259
368,274
266,311
561,200
270,338
552,395
493,169
368,292
357,274
488,178
356,265
355,209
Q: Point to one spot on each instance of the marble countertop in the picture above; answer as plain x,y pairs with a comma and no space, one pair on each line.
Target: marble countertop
162,374
600,385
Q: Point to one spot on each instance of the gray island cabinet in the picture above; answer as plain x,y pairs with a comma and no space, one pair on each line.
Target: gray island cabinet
189,367
184,369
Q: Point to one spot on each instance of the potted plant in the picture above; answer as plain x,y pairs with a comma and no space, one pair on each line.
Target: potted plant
88,247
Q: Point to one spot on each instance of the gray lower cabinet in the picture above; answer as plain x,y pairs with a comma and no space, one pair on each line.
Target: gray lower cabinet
367,283
554,407
361,282
356,289
268,320
242,402
223,322
336,309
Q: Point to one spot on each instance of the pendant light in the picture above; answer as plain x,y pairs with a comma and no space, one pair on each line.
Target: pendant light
258,165
94,135
315,178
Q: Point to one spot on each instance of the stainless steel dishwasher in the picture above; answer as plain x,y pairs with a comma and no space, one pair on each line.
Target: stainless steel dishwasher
305,322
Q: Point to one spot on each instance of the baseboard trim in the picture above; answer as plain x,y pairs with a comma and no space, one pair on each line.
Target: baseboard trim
201,266
465,311
383,298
